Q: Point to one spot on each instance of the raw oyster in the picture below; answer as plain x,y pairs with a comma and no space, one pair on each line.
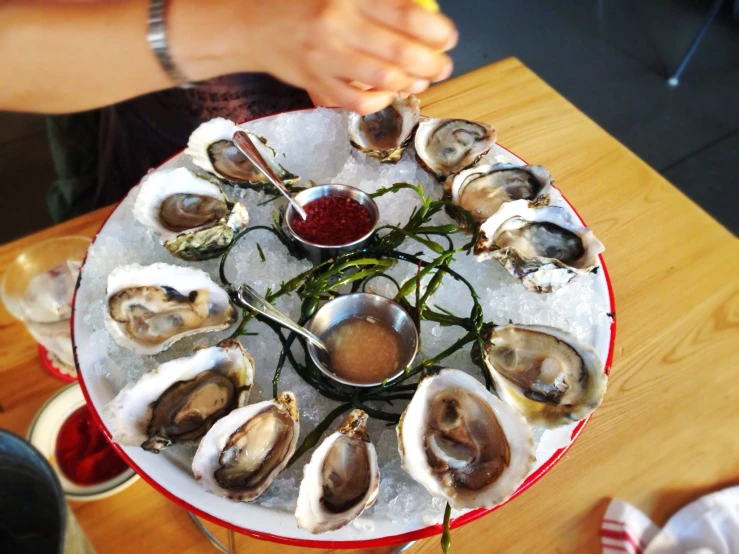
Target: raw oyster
243,452
447,146
462,443
181,399
482,190
544,373
386,133
211,148
341,480
192,217
543,246
149,308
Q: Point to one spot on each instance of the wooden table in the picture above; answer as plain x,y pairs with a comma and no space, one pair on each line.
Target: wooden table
667,430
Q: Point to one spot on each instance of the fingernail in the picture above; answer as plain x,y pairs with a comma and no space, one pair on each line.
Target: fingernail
445,73
419,86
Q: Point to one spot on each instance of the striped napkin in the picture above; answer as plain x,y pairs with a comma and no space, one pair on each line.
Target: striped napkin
710,525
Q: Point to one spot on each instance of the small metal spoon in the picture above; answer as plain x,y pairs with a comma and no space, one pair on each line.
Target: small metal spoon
247,148
249,297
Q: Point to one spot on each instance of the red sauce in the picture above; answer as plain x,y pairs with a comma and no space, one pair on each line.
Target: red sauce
82,452
333,221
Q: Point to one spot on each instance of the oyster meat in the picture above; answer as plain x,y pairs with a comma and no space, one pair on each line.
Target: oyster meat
462,443
482,190
447,146
386,133
181,399
544,373
243,452
543,246
211,148
341,480
149,308
192,217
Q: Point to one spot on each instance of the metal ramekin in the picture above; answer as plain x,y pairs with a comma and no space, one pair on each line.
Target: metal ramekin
364,304
318,253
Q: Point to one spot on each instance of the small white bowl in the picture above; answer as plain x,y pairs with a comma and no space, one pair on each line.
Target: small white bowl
43,433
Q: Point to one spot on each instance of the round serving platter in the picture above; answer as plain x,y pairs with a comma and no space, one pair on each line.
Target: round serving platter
585,308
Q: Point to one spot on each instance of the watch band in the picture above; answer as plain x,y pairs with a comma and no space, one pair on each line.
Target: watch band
157,37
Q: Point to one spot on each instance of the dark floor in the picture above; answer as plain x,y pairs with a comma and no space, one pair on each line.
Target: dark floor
609,58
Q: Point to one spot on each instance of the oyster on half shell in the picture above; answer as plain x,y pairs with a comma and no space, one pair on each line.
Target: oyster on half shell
543,246
190,214
544,373
386,133
211,148
483,189
341,480
243,452
462,443
149,308
181,399
445,147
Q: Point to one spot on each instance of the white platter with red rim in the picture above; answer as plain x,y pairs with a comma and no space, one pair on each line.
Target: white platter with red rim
173,478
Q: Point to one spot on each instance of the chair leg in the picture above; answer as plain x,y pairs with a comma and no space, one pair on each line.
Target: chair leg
675,79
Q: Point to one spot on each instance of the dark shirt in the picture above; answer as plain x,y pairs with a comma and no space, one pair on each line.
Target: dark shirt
100,155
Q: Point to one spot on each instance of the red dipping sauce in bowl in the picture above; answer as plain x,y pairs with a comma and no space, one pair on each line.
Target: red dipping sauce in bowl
82,452
333,221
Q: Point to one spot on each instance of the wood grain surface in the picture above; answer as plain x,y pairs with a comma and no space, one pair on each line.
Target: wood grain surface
667,430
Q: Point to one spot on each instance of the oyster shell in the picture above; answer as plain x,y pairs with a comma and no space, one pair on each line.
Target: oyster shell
243,452
445,147
462,443
192,217
543,246
482,190
386,133
149,308
181,399
211,148
544,373
341,480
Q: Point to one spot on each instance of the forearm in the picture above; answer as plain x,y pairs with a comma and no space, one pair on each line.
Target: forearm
58,58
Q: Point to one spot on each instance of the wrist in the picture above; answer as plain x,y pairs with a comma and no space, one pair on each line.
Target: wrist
200,41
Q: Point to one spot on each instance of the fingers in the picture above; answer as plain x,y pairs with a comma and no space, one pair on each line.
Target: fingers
371,72
414,58
433,29
335,92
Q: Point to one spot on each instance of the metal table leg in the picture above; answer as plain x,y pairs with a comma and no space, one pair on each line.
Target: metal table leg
675,79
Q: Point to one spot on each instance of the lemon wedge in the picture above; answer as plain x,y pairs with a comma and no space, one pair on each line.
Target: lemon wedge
430,5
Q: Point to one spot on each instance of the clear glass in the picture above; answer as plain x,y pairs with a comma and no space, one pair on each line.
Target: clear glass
37,289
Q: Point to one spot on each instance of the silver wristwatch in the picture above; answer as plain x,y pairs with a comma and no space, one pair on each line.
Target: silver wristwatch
157,37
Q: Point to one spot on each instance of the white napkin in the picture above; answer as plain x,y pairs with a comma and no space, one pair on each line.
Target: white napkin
710,525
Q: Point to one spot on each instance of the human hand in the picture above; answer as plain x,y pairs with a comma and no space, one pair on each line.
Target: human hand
328,46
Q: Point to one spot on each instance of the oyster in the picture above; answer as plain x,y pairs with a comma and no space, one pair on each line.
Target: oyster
386,133
462,443
149,308
544,373
181,399
243,452
543,246
447,146
482,190
341,480
211,148
192,217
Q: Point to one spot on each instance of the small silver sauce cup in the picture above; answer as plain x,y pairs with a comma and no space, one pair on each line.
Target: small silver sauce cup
363,304
318,253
